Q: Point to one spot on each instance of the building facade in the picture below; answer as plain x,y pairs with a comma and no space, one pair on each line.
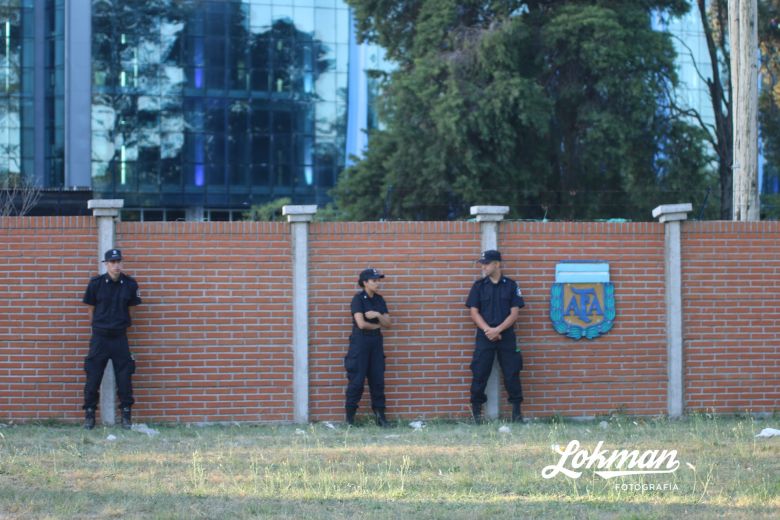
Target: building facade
201,109
186,109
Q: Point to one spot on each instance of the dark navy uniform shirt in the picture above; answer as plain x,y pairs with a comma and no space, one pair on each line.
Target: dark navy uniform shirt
494,301
111,301
362,303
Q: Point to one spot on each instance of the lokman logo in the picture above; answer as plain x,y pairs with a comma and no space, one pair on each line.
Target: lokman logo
612,463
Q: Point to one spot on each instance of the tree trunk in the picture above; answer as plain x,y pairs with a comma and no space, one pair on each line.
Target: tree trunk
720,96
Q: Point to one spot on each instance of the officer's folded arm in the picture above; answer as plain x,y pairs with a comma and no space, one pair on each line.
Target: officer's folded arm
362,324
384,320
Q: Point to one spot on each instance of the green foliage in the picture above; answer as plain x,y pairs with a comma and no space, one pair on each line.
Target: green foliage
551,108
770,206
269,211
769,102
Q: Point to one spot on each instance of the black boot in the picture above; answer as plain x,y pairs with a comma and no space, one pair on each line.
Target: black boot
89,418
351,415
127,421
476,412
381,420
516,415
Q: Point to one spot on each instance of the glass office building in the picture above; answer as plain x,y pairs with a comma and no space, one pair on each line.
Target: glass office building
186,109
31,86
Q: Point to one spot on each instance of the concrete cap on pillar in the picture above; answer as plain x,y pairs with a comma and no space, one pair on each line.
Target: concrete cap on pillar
672,212
105,207
489,213
299,213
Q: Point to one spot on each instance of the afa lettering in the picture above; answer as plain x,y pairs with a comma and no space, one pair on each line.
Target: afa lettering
584,303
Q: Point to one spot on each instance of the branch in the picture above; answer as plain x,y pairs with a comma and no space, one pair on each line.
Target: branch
693,59
709,129
18,195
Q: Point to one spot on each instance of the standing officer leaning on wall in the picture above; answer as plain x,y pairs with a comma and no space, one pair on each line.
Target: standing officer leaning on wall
110,297
494,303
366,355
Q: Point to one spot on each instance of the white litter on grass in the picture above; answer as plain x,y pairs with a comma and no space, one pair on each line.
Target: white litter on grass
556,449
111,438
298,431
417,425
603,425
769,432
329,424
392,436
143,428
505,429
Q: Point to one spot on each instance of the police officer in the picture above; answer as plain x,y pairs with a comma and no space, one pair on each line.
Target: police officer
494,302
110,297
366,355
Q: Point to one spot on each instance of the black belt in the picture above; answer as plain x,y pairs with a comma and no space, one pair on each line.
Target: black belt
109,333
368,332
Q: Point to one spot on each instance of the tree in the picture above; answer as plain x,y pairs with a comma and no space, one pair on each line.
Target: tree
550,107
268,211
18,194
769,103
718,133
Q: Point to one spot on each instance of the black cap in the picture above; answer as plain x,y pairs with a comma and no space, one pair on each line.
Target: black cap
491,255
112,254
370,274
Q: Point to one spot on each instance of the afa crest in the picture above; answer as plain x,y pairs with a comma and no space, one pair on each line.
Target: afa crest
582,300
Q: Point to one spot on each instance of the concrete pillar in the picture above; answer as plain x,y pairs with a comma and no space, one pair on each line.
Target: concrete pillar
106,211
299,218
489,217
671,215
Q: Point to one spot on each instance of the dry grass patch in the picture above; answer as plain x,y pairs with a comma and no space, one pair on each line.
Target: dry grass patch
447,470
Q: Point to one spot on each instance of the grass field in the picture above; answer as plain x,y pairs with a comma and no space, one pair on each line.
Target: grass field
445,470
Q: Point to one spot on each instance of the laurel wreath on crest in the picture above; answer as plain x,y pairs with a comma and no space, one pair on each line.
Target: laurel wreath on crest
575,331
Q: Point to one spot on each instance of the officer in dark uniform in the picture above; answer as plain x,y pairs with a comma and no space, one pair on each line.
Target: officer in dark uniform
366,355
494,302
110,296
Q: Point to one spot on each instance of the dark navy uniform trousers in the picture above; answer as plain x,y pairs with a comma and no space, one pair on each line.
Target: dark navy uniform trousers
101,349
365,358
509,359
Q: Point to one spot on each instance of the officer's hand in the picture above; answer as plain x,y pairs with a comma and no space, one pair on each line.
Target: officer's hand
371,314
492,334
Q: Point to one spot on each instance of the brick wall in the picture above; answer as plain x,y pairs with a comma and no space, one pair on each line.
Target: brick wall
214,333
429,267
731,281
622,370
213,338
44,267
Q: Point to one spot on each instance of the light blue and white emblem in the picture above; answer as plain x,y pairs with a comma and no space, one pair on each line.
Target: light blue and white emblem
582,300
